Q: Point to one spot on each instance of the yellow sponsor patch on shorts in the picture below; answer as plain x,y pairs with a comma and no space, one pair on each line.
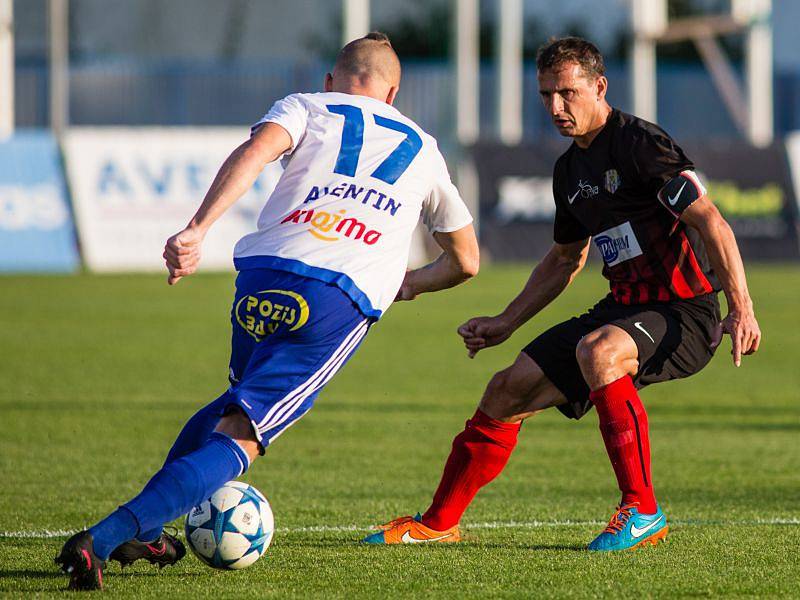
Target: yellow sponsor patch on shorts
263,313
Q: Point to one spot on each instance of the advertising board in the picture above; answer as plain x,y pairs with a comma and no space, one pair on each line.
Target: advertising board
36,227
134,187
752,187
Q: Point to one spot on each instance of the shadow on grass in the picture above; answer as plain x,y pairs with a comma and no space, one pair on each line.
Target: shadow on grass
536,547
144,571
12,581
8,577
466,544
725,426
322,543
31,574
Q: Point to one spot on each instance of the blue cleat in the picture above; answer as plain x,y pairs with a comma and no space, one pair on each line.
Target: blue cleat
629,529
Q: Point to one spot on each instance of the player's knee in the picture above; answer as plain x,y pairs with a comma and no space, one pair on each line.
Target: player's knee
499,385
504,396
595,349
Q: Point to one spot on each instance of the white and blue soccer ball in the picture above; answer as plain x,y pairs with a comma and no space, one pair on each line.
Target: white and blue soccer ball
232,529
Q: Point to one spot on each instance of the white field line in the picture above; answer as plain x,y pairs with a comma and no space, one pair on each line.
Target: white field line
44,534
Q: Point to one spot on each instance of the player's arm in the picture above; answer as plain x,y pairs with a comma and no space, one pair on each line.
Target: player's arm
723,253
236,175
550,277
449,221
458,262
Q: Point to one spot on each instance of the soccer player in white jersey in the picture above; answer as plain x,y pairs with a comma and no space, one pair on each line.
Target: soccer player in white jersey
328,258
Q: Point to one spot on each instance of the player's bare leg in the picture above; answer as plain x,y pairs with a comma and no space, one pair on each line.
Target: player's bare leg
518,392
605,355
479,453
608,358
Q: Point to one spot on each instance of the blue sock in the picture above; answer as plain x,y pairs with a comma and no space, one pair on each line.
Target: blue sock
172,492
149,536
197,429
191,437
119,525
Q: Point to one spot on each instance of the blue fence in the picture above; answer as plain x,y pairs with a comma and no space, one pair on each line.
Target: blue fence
182,93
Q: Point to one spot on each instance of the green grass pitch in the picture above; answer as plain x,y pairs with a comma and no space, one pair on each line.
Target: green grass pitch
100,372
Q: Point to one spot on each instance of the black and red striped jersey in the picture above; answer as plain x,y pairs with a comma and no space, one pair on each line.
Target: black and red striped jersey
626,191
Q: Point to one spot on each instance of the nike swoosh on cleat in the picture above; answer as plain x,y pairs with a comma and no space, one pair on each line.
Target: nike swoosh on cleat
636,532
157,551
638,326
674,199
408,539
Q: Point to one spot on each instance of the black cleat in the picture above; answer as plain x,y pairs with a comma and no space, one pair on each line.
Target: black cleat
166,550
79,561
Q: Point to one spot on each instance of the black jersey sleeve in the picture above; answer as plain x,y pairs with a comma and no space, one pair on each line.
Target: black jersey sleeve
655,156
566,228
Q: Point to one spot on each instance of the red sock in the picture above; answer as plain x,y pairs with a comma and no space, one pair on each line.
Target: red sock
479,454
623,423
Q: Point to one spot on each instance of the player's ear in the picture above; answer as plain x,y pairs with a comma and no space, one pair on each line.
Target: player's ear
392,94
601,87
328,82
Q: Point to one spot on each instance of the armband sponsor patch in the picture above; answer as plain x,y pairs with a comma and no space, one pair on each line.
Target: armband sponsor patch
679,192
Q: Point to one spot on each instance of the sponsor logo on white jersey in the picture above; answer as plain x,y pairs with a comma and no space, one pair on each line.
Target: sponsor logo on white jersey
333,226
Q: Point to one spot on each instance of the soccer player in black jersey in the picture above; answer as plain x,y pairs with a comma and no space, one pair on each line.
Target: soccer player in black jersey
625,185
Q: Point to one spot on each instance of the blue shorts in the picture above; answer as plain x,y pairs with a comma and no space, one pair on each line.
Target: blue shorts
291,334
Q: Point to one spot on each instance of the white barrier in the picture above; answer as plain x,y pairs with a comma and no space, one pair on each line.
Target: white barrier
134,187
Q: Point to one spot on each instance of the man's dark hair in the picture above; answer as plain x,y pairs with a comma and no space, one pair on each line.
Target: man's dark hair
558,52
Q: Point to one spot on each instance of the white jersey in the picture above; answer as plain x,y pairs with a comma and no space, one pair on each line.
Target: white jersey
356,179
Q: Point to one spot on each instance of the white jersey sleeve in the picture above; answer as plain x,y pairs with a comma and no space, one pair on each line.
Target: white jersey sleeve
291,114
444,210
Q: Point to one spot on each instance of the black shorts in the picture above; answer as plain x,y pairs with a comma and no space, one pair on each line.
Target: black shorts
675,340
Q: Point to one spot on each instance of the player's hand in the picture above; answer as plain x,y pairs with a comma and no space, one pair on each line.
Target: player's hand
744,331
182,253
483,332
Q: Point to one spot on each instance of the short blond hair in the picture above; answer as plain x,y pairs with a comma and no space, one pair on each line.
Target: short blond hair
369,56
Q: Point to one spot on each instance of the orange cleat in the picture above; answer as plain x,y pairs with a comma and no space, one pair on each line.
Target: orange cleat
410,530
